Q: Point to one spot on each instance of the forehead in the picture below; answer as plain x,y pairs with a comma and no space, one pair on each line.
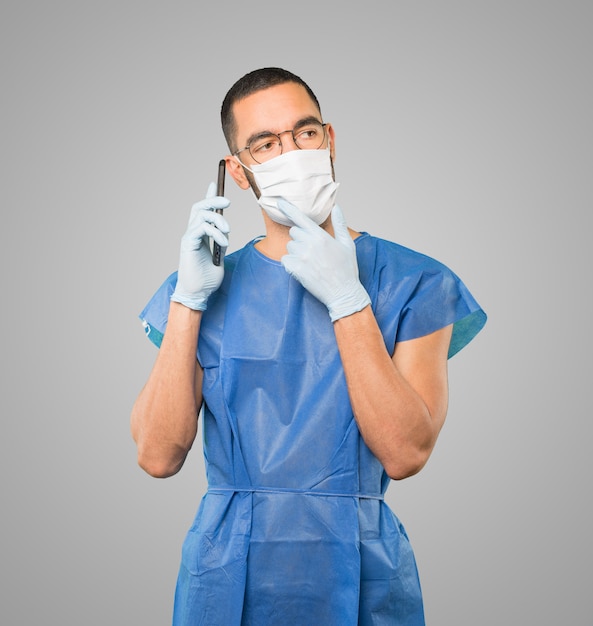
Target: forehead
276,108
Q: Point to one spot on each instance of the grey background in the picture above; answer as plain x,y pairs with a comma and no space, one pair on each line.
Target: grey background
463,130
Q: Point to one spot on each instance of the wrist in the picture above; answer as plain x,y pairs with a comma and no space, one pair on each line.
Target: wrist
194,303
354,301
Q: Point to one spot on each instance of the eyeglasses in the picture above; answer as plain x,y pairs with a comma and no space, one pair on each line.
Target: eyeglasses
307,135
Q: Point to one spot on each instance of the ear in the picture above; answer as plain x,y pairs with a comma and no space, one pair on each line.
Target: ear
332,141
235,169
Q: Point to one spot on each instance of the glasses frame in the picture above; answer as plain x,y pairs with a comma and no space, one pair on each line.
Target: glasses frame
291,131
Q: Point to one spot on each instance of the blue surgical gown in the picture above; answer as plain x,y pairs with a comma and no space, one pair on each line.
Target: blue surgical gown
293,529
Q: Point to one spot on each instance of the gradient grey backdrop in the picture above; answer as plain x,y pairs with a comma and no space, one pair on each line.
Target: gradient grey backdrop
463,130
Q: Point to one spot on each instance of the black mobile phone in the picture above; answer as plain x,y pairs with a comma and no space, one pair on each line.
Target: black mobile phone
217,253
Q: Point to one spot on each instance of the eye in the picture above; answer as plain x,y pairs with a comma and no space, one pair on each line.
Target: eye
264,144
309,133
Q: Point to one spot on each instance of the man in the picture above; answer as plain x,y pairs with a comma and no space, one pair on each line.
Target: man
322,372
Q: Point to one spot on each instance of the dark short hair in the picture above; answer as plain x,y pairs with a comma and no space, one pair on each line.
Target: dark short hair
250,83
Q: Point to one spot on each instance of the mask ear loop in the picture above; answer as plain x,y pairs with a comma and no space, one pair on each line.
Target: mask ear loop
249,170
242,164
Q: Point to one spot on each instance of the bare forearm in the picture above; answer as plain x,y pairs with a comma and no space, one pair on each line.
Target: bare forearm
164,417
396,422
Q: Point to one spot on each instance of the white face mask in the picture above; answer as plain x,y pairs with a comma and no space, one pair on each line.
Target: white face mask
303,177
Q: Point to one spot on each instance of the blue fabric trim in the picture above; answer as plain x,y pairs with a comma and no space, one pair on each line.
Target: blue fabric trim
465,330
155,335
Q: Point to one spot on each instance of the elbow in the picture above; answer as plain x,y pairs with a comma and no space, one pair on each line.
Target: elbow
408,457
161,465
406,465
158,469
401,472
158,455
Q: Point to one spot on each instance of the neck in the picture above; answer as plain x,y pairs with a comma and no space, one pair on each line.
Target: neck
273,245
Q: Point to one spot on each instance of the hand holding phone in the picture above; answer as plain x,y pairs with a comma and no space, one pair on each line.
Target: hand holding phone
197,276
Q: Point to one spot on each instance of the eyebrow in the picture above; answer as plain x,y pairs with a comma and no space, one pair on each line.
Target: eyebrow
302,122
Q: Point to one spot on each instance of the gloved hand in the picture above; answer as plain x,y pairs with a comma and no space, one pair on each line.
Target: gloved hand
324,265
197,276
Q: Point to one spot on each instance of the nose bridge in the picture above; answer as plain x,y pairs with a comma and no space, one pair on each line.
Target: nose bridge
287,145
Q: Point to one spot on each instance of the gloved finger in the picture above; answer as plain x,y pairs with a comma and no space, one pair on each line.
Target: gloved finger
199,215
212,203
194,237
290,264
298,234
211,191
295,215
217,220
217,235
296,248
340,227
301,251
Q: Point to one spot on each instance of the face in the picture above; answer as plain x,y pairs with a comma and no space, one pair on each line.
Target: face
274,109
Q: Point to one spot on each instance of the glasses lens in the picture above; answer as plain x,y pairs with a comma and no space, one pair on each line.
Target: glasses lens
310,136
265,147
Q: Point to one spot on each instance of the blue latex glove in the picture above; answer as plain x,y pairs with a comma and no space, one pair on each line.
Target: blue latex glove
197,276
325,266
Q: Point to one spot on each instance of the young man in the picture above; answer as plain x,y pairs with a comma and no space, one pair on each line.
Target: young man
322,372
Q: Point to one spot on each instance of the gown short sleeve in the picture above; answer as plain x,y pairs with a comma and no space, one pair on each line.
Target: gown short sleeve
154,314
414,295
